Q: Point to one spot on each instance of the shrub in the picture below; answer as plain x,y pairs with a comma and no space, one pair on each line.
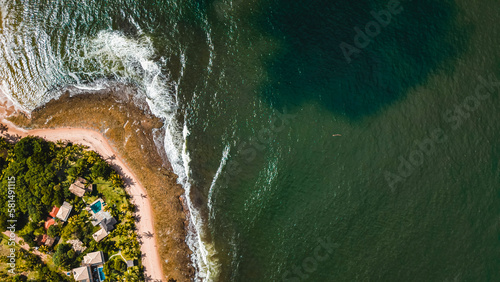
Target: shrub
119,265
20,278
53,231
60,257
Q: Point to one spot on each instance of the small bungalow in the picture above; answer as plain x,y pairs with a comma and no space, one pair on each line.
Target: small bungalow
77,245
41,239
102,216
48,223
82,274
130,263
45,240
64,211
108,224
80,187
94,258
99,235
54,211
88,271
50,241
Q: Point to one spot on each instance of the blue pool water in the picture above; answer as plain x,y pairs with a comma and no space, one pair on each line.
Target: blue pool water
101,273
96,207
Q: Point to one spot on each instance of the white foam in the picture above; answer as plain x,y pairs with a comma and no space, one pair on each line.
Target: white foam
203,252
211,46
225,155
127,60
163,103
88,87
6,97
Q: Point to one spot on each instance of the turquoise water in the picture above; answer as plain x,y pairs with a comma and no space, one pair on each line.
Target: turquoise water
102,277
96,207
253,93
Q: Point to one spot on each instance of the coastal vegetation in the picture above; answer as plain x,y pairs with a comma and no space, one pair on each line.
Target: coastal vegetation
44,173
129,130
29,266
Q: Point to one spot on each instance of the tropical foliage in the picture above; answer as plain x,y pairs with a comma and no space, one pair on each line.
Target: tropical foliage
43,172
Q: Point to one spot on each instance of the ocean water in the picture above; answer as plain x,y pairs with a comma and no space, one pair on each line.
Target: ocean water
253,94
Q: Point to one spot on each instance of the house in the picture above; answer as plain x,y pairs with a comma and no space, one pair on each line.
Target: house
94,258
77,245
79,187
50,220
99,235
130,263
105,221
54,211
50,241
64,211
48,223
82,274
41,239
102,216
108,224
89,264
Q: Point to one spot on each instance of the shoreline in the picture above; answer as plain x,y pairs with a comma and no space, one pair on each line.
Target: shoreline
163,259
96,142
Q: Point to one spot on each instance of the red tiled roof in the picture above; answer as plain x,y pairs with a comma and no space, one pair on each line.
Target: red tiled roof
44,238
54,211
49,223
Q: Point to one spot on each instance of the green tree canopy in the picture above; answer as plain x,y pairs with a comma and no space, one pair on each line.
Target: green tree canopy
60,257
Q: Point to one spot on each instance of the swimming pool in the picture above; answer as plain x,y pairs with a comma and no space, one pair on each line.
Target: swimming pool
101,274
96,207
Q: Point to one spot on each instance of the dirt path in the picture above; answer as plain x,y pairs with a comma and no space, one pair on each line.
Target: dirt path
25,246
95,141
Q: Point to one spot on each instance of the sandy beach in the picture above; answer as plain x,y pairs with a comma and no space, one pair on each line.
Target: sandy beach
95,141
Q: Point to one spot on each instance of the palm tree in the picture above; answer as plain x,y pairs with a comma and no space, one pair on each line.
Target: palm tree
128,276
116,180
132,274
60,143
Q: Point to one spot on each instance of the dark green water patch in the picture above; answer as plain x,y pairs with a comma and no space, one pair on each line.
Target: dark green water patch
311,65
